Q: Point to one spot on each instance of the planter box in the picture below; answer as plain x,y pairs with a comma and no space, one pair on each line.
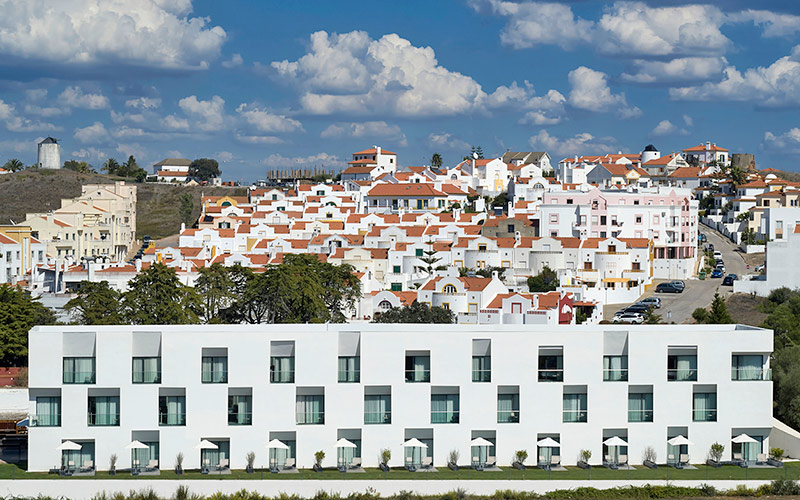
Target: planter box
583,465
774,463
452,466
714,464
518,465
112,472
317,468
383,467
249,470
649,464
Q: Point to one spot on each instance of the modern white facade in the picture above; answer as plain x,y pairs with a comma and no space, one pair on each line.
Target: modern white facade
309,385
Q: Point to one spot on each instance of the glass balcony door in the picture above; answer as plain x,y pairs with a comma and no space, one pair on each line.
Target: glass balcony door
682,367
444,408
240,410
575,408
103,411
79,371
349,369
281,369
615,368
215,369
377,409
48,412
311,409
640,407
704,407
418,368
147,370
748,367
172,410
507,408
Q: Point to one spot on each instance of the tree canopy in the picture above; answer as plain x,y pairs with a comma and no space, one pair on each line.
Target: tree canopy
19,312
14,165
436,160
79,166
130,168
96,304
417,312
204,169
545,281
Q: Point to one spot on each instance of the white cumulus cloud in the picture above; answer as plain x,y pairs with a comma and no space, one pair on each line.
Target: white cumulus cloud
590,92
234,61
93,134
447,142
666,127
787,142
580,144
376,129
206,115
258,139
75,97
276,160
536,23
266,121
144,103
682,69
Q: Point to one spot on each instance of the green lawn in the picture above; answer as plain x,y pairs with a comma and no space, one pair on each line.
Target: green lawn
790,471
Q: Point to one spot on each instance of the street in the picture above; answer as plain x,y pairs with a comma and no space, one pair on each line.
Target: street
678,307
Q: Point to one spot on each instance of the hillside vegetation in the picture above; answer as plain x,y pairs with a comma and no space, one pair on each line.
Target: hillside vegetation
157,207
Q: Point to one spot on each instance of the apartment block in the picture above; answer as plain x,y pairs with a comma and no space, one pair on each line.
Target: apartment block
379,385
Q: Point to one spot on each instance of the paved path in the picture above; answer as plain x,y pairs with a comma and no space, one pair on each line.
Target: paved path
678,307
85,489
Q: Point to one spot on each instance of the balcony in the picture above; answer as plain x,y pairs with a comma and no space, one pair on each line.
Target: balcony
172,419
239,418
704,415
414,376
640,415
575,416
310,418
619,375
72,377
551,375
282,377
44,420
147,377
377,417
682,374
215,377
103,419
349,376
508,417
444,417
748,373
481,375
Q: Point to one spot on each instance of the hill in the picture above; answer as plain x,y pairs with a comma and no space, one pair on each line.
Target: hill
157,205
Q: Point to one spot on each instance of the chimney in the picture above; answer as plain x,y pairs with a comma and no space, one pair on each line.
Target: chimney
708,145
138,263
378,150
183,226
494,275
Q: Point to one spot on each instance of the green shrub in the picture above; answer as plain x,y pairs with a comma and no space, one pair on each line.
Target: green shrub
784,487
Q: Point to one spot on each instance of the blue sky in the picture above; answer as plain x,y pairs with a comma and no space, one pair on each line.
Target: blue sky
267,84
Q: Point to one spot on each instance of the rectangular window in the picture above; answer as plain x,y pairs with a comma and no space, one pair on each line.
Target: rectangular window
615,368
240,409
215,369
481,368
640,407
507,407
444,408
704,407
103,411
682,364
575,408
147,370
418,367
172,410
79,371
377,408
310,409
396,269
749,367
349,369
554,218
511,228
211,457
551,364
418,252
48,412
281,364
397,287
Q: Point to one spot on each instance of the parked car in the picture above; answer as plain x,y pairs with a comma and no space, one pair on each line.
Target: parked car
651,301
678,283
628,317
729,279
668,287
701,237
718,255
638,308
760,269
716,273
710,246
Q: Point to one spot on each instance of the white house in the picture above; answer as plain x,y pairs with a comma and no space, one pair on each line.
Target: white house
380,385
172,169
781,267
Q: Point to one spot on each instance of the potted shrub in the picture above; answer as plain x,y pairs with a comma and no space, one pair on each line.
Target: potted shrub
251,460
583,459
112,467
452,460
649,457
776,457
179,464
715,455
386,455
519,459
318,458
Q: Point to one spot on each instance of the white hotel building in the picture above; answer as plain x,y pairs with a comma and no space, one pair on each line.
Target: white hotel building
379,385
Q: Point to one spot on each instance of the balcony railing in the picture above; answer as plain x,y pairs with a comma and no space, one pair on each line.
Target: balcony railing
747,373
481,375
310,418
575,416
79,377
704,415
444,417
216,377
282,377
147,377
170,419
418,375
349,376
640,415
103,419
681,374
551,375
508,417
239,418
44,420
377,417
620,375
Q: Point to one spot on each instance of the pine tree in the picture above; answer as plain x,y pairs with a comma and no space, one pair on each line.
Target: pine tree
719,312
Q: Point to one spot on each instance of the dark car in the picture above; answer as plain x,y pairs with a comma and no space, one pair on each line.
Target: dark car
668,288
716,273
729,279
651,301
678,283
638,308
710,247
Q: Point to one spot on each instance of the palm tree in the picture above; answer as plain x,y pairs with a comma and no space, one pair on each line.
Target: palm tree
436,160
110,166
13,165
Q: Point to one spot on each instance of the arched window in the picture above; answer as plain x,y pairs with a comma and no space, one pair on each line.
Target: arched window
449,289
385,305
226,203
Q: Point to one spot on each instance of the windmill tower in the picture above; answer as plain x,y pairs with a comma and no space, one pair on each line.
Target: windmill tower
49,154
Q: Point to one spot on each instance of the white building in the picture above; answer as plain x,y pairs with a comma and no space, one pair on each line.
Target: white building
172,169
49,154
781,266
378,385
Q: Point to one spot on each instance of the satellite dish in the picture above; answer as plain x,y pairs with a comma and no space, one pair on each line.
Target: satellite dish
475,155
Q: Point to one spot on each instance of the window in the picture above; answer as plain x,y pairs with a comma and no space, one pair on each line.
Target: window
215,369
575,407
172,410
397,287
310,409
48,412
551,364
449,290
349,369
481,368
418,252
554,218
511,228
211,457
396,269
749,367
79,371
636,266
103,411
615,368
146,370
281,365
682,363
507,405
640,406
385,305
482,247
704,407
418,366
444,408
378,407
240,407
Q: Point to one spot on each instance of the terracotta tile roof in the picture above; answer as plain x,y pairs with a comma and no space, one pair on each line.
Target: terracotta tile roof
686,172
702,147
424,190
372,151
661,161
470,284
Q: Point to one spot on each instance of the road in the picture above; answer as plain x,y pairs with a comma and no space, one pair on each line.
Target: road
678,307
